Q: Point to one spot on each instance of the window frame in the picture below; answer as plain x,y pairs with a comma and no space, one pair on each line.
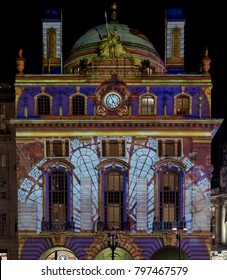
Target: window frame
107,148
177,147
147,95
183,95
36,109
71,97
50,148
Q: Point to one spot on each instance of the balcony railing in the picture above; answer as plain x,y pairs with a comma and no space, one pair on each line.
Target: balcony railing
109,225
57,226
168,225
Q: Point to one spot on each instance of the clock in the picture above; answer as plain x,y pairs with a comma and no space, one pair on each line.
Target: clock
112,100
63,257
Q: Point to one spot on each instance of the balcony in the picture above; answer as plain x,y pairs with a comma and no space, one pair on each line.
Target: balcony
117,225
57,226
168,225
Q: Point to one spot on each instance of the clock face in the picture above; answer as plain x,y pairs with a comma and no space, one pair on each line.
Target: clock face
63,257
112,100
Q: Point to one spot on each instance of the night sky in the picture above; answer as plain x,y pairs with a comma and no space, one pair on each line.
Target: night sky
21,26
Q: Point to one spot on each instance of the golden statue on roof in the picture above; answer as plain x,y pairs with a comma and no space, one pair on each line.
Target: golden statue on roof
110,46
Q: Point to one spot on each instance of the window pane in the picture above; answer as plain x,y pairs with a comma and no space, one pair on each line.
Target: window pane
2,224
113,198
182,105
169,148
2,189
3,160
169,196
58,196
43,105
78,105
113,146
57,148
147,104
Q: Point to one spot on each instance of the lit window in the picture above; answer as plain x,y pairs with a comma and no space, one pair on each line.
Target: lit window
3,159
182,105
169,196
147,105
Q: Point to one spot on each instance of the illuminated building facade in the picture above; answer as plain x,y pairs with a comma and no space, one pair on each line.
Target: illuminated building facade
8,190
114,138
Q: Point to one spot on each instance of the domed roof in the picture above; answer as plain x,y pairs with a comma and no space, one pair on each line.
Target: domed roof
137,44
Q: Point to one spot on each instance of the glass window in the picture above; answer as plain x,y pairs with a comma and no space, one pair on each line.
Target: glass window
43,105
147,105
3,160
169,196
113,199
169,147
2,189
78,105
182,105
58,196
57,148
2,224
113,148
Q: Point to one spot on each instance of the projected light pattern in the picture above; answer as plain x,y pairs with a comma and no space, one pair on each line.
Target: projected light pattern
140,158
84,158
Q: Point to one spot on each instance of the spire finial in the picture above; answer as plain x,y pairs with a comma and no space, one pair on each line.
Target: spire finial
114,14
205,63
20,62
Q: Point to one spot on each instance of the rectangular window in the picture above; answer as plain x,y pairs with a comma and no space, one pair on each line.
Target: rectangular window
3,189
57,148
3,159
2,224
169,147
113,148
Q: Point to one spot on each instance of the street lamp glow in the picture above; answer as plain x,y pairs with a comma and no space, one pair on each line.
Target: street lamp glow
179,229
113,241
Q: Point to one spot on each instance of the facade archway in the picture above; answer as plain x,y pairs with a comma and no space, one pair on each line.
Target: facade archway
169,253
119,254
58,253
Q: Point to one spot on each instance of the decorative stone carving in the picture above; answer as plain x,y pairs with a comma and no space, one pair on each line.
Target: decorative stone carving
20,62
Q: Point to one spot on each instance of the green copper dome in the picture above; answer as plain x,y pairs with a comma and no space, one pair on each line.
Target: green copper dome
134,42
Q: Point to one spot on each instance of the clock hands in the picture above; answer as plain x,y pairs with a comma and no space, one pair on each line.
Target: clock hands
113,101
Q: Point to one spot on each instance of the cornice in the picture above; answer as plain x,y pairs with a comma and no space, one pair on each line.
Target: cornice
133,126
155,80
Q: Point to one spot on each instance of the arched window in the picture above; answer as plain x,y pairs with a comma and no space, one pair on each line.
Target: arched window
58,195
113,199
43,105
147,105
169,196
78,105
182,105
